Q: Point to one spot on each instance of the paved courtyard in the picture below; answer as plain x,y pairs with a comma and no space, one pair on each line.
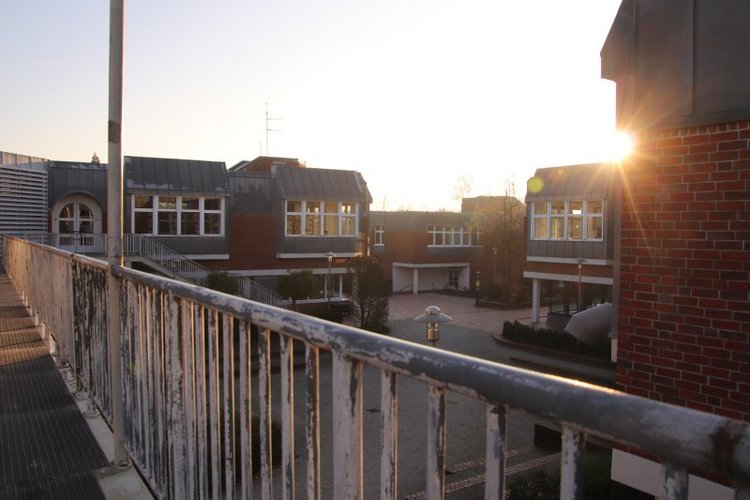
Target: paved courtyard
461,309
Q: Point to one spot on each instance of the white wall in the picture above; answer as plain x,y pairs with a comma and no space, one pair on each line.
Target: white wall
646,475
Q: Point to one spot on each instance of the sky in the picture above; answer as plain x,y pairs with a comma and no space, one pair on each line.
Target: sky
419,96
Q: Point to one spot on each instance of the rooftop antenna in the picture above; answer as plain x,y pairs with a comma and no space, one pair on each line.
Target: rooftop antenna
268,125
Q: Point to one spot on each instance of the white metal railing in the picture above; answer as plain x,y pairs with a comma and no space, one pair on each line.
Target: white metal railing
186,268
158,253
188,361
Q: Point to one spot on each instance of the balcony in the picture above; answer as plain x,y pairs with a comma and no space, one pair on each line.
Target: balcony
198,367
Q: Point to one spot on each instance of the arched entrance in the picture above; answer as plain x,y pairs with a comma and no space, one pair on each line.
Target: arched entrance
77,224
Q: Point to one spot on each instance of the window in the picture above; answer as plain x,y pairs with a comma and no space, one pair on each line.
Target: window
348,219
293,217
379,235
453,278
312,218
452,236
567,220
318,218
177,215
541,218
594,216
575,220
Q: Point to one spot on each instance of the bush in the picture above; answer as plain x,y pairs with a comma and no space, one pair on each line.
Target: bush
221,282
552,339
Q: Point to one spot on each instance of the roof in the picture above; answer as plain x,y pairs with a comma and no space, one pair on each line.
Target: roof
417,220
319,183
67,178
169,175
571,182
265,164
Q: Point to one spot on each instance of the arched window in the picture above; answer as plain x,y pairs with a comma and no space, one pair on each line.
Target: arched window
76,222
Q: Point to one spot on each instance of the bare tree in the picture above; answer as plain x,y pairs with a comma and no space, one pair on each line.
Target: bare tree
463,187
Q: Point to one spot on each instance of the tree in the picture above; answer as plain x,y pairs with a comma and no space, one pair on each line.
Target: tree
500,221
221,281
369,297
298,285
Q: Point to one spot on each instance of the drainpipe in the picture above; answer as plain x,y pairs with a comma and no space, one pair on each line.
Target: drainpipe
115,224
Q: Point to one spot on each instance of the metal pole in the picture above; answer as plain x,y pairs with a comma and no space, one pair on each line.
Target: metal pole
580,265
114,222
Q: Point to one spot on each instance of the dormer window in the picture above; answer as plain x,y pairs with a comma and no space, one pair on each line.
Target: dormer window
177,215
567,220
319,218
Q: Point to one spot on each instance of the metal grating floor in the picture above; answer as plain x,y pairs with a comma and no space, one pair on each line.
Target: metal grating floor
46,448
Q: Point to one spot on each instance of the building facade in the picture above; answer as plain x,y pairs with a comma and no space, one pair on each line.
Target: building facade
571,214
466,252
683,91
259,220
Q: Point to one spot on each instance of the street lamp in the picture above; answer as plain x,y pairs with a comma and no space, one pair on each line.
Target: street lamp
329,256
494,264
581,260
433,316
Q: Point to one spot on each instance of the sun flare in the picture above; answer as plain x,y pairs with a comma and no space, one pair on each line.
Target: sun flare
621,146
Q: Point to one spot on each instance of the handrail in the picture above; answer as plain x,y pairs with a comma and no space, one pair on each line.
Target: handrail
186,268
187,347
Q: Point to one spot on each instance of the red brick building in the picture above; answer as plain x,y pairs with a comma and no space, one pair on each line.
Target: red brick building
683,90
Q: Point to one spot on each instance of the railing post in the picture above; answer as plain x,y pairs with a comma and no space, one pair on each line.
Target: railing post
675,485
312,427
347,428
435,487
571,480
497,426
389,436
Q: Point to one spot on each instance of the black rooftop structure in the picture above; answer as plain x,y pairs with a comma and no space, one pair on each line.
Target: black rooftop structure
679,63
173,176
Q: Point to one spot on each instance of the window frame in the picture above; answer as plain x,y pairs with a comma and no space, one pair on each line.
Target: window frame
379,239
344,218
439,235
155,209
566,217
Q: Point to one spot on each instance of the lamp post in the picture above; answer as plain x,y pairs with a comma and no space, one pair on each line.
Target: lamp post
581,260
494,264
329,256
433,316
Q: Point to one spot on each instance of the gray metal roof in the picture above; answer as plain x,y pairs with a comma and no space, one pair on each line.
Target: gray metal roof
173,176
319,183
69,178
571,182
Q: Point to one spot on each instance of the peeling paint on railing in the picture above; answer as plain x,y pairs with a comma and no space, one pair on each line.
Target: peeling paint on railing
186,420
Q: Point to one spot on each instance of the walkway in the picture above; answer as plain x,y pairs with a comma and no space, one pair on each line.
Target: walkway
46,447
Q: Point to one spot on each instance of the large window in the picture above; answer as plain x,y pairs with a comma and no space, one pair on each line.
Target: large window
452,236
319,218
177,215
567,220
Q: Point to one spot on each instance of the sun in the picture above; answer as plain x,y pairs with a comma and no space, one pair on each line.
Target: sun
620,147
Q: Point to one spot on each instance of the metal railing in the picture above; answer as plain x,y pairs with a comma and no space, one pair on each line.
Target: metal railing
167,259
188,363
186,268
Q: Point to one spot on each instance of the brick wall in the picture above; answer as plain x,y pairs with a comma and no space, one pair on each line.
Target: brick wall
684,317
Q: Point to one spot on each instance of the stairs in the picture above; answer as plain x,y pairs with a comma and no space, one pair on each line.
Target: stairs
177,266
